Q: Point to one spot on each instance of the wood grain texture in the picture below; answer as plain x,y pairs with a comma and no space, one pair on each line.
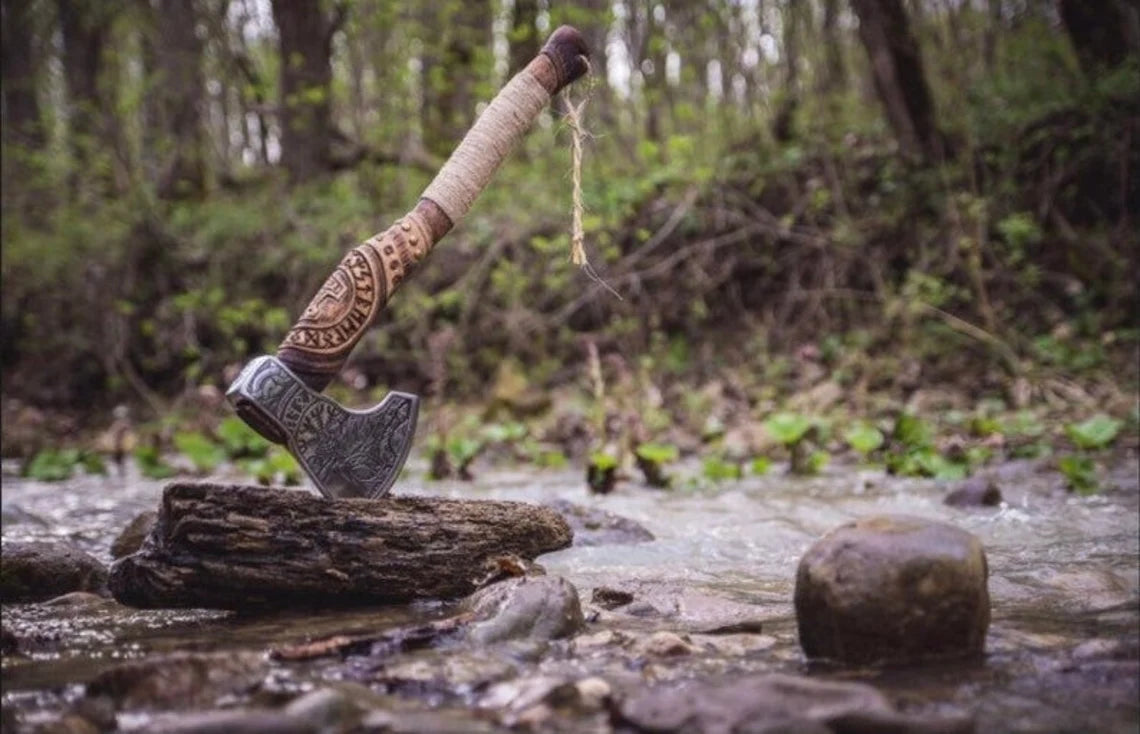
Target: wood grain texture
240,547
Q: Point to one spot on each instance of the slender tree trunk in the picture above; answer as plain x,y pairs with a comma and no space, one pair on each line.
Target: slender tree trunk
451,70
783,126
897,70
305,41
835,73
22,124
524,35
85,27
181,92
1103,32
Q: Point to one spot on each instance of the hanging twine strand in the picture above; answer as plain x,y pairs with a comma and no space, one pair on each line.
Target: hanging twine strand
577,231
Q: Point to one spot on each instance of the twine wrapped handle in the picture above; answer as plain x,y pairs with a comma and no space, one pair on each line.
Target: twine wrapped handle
349,301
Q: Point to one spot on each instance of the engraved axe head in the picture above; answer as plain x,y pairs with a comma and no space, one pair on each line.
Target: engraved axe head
347,453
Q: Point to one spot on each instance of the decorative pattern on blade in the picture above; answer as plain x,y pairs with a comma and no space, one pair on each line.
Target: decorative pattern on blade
347,453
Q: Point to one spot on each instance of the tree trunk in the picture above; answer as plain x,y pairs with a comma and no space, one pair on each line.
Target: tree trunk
897,70
84,27
305,45
1103,32
783,126
230,547
835,73
22,124
181,92
524,35
451,69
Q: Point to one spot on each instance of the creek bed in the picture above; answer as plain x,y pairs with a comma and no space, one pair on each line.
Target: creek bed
1063,651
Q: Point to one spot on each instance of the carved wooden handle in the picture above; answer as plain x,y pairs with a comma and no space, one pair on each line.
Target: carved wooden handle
349,301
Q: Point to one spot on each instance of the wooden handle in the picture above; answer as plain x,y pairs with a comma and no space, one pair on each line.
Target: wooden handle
349,301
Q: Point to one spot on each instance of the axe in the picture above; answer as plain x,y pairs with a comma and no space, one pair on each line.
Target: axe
359,453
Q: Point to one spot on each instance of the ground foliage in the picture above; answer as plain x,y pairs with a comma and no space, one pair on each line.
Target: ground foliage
766,260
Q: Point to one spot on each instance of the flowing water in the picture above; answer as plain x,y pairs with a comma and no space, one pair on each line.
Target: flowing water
1063,651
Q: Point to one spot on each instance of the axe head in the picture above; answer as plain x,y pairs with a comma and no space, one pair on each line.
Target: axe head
347,453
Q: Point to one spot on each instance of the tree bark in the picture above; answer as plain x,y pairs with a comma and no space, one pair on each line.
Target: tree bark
835,73
524,35
234,547
181,92
1103,32
451,69
305,34
22,124
84,28
897,71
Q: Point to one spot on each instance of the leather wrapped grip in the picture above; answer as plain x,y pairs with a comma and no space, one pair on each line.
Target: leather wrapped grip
351,298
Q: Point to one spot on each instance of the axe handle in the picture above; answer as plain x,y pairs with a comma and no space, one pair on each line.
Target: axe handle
346,305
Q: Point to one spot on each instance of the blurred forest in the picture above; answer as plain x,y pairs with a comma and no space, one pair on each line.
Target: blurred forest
876,195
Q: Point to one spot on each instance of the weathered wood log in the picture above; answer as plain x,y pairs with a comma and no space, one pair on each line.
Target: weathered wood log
237,547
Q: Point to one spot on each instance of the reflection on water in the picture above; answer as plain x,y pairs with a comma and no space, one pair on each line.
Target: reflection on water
1064,571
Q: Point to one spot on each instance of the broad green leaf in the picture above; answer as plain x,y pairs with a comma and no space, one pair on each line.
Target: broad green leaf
863,437
202,452
1095,433
658,453
787,428
717,469
1080,471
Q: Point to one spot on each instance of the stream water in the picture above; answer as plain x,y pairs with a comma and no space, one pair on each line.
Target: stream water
1063,651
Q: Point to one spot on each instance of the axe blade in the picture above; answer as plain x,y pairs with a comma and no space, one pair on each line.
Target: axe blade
346,453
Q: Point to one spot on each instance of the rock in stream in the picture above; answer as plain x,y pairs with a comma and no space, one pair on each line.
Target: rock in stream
893,589
36,571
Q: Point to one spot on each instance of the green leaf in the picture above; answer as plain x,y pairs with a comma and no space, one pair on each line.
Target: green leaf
718,469
602,461
787,428
912,432
463,450
240,440
1080,472
863,437
658,453
151,464
51,465
202,452
1095,433
552,459
761,465
817,461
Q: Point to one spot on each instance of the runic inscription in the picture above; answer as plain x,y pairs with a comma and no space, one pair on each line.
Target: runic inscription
343,307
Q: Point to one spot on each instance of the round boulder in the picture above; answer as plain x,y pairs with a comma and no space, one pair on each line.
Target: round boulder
42,570
893,589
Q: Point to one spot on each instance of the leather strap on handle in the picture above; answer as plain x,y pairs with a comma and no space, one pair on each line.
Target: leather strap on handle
349,301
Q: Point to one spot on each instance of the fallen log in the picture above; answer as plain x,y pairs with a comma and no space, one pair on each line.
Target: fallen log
237,547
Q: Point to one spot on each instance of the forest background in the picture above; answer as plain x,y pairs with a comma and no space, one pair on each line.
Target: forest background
905,229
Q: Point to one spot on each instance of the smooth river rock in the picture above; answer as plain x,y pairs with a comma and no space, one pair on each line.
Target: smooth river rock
893,589
37,571
533,608
775,704
131,538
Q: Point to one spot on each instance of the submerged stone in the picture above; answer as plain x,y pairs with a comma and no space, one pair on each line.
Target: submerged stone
132,536
536,608
975,492
893,589
593,526
37,571
771,704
